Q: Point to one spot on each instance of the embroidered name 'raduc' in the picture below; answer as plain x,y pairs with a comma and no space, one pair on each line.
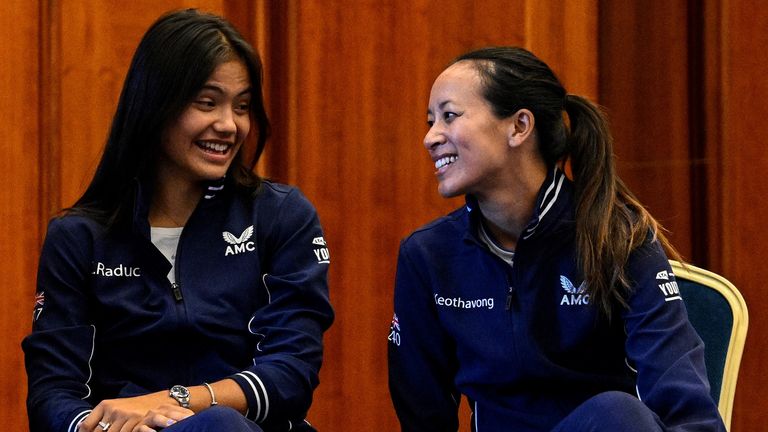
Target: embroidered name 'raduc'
119,271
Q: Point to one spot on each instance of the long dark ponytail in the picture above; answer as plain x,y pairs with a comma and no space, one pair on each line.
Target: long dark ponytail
610,221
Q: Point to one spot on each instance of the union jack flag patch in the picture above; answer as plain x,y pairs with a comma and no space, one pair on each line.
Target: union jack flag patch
394,331
39,303
40,298
395,322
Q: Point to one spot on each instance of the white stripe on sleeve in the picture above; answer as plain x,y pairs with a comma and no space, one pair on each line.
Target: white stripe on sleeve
77,420
255,394
264,394
90,369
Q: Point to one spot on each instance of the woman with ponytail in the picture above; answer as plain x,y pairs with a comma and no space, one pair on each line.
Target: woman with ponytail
548,300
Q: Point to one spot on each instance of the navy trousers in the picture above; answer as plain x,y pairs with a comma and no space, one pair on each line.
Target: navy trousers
215,419
220,418
610,412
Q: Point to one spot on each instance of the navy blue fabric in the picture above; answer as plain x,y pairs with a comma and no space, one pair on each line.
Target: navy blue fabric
611,412
219,418
523,342
252,272
711,316
215,419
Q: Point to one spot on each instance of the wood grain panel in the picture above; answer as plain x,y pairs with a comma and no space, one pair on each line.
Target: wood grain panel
566,38
96,41
744,134
349,86
713,44
644,86
358,80
19,208
689,78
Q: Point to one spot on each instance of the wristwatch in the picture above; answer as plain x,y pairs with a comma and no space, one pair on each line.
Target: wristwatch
181,394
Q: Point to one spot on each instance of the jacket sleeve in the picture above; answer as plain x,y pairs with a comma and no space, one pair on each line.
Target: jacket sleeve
290,326
422,363
59,349
664,347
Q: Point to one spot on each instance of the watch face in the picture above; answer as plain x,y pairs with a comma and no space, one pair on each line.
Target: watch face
180,391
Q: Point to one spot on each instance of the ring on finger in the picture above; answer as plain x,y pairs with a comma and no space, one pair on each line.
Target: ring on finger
104,425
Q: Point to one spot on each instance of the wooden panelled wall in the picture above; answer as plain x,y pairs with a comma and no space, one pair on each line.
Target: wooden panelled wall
347,85
685,84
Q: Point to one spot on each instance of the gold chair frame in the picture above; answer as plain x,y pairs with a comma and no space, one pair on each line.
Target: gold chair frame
738,330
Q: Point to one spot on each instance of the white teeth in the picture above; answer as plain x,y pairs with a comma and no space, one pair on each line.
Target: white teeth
445,161
214,146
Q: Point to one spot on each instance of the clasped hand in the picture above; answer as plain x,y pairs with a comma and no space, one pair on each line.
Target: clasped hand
145,413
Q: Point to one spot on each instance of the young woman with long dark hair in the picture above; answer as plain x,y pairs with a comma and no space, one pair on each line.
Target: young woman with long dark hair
181,291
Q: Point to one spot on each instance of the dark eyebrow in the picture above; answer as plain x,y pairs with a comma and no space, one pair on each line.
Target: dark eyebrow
440,105
218,89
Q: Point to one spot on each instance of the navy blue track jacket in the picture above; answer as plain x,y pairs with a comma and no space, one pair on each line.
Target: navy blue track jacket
251,303
523,342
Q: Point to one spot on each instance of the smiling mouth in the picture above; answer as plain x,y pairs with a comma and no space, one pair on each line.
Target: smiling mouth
214,147
443,161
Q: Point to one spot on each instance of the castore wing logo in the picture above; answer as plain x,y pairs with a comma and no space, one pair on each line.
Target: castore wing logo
238,245
574,295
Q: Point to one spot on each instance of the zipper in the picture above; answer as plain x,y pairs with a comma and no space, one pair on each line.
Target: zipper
176,289
511,293
181,307
176,285
508,271
510,297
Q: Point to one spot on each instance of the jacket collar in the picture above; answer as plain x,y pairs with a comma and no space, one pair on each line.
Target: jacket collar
554,203
143,197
